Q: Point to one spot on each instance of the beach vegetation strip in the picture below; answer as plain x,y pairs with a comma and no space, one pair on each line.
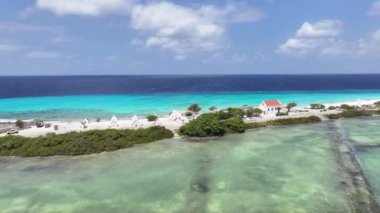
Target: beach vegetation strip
80,143
353,113
218,124
284,122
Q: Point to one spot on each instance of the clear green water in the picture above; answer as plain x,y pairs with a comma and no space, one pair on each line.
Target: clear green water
366,132
363,131
289,169
104,106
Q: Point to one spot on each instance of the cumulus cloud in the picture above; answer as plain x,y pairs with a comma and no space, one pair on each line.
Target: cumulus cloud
320,36
323,28
167,25
85,7
178,28
375,9
183,29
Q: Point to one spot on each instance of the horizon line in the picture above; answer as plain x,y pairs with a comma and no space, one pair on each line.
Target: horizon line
216,74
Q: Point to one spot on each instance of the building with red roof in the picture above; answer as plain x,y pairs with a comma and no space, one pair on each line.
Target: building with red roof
270,107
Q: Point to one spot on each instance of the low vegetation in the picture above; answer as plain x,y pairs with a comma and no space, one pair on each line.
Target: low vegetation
346,107
218,124
20,124
352,113
80,143
317,106
284,122
151,118
214,124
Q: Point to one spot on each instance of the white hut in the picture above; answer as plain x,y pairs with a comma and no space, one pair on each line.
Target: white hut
85,123
114,122
135,121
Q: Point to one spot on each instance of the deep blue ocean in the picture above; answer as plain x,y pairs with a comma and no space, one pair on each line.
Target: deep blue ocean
75,97
11,87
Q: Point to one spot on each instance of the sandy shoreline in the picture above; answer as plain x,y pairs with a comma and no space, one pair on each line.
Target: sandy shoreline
168,122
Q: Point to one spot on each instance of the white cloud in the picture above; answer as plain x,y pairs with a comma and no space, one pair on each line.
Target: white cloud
177,28
375,9
314,37
323,28
85,7
183,29
43,55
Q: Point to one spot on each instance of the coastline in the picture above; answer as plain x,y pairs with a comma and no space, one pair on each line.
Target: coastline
63,127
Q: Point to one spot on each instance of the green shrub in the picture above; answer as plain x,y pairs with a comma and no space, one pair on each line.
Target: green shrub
317,106
20,124
331,107
281,114
351,114
188,114
152,117
284,122
346,107
234,125
230,112
377,104
80,143
253,112
206,125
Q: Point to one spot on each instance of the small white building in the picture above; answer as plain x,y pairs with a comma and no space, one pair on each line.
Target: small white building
270,107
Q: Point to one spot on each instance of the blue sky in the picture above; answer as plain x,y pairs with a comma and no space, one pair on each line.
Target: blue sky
91,37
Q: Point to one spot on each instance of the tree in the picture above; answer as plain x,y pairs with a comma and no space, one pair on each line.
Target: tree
234,125
205,125
253,112
291,105
152,117
236,112
278,110
194,108
20,124
213,108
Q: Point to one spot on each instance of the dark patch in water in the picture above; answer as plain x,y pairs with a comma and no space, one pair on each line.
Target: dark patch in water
201,186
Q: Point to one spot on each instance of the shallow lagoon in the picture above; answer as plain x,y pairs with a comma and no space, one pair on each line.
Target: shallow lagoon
365,135
290,169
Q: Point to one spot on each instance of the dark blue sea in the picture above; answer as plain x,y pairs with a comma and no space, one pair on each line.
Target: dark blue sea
74,97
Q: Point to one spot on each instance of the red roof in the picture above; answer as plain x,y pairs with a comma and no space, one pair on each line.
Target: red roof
272,103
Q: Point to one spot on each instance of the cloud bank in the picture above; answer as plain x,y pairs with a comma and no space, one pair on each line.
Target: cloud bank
166,25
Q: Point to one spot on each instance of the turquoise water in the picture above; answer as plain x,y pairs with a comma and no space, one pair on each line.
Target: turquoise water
76,107
365,135
290,169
